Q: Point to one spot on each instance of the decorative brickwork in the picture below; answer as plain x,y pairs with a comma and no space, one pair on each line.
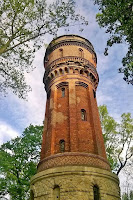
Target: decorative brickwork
69,59
73,159
83,70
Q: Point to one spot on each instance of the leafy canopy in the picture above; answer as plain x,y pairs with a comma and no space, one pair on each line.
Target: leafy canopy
118,138
127,196
23,25
18,161
117,17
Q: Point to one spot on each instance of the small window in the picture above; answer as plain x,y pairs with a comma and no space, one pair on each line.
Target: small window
62,146
56,192
63,92
61,52
96,192
81,71
31,195
66,70
61,71
56,73
83,115
94,93
81,53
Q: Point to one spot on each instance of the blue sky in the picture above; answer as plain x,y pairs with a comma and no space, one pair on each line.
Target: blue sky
17,114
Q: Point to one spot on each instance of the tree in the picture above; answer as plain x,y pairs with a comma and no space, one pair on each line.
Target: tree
128,180
125,196
18,161
23,25
118,139
117,17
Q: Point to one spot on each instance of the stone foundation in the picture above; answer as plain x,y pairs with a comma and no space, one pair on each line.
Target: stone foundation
75,183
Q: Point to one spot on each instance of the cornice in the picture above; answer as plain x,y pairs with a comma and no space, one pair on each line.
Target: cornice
65,60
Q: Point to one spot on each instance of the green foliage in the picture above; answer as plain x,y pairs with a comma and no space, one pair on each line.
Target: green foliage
18,161
126,196
117,17
118,138
23,25
109,126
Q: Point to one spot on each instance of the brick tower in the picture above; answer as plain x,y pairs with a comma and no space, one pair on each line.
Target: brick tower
73,161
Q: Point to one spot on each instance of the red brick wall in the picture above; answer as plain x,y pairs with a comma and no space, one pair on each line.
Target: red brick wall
63,114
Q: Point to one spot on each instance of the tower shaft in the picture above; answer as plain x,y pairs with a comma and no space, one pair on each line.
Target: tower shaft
73,153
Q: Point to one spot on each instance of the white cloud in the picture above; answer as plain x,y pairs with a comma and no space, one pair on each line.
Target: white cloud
103,63
103,98
31,111
7,132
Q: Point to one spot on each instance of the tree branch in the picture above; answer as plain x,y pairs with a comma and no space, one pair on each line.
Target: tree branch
24,41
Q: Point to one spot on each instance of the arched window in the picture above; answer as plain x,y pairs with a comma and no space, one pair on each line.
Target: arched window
81,71
56,192
66,70
61,52
86,72
56,73
31,195
96,192
83,115
94,94
62,146
81,53
61,71
63,92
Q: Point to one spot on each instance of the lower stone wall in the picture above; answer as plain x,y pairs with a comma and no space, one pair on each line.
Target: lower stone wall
75,183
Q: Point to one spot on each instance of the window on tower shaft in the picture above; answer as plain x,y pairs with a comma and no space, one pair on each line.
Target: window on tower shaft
62,146
83,115
94,94
63,92
96,192
56,192
31,195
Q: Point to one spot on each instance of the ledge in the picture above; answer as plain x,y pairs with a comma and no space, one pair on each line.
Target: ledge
73,158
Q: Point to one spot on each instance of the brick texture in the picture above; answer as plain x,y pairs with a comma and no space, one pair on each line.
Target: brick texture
73,158
63,120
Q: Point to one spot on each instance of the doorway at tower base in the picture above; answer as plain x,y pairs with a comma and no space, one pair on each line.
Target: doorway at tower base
75,183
